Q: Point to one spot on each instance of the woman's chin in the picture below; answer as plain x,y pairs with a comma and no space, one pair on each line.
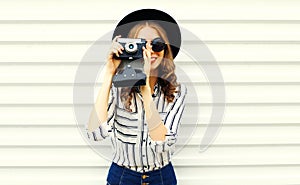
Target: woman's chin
155,64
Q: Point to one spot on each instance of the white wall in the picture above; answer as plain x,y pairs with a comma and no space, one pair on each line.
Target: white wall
256,45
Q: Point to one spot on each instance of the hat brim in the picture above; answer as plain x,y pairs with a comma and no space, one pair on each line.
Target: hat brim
163,19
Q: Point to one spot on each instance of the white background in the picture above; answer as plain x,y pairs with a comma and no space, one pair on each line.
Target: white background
256,45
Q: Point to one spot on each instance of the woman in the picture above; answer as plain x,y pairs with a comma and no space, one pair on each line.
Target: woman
142,123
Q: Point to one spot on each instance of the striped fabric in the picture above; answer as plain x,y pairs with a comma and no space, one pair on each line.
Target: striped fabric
128,131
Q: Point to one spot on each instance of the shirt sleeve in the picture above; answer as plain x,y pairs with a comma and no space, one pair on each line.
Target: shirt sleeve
105,129
172,123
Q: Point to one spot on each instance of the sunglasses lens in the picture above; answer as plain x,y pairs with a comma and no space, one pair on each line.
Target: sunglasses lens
158,45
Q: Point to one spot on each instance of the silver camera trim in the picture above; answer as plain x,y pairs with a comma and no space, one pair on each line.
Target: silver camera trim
125,40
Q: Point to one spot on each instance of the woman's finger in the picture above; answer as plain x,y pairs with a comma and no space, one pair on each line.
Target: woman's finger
119,45
116,37
115,51
120,50
148,46
147,58
116,48
146,52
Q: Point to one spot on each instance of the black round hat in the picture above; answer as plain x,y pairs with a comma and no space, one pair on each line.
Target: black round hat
159,17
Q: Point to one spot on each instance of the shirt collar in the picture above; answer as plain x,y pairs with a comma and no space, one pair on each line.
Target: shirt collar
156,90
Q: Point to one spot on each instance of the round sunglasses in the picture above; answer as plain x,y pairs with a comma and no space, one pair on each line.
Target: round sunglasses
158,44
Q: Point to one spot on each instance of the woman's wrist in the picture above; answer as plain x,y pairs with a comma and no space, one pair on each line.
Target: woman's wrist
108,72
107,78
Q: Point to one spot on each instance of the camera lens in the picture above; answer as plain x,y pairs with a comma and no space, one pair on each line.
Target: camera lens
131,47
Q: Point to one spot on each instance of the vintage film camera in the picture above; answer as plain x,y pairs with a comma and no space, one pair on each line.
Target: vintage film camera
130,72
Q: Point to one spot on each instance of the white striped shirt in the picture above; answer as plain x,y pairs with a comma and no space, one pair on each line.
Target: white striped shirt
128,131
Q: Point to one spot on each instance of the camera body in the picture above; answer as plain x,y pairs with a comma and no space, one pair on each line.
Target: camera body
130,71
132,48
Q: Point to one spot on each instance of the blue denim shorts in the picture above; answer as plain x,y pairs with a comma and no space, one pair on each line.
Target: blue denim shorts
119,175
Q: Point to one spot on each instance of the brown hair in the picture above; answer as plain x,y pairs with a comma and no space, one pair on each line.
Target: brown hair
166,70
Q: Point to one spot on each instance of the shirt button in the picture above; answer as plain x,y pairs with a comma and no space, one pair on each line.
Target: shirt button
144,176
144,140
143,155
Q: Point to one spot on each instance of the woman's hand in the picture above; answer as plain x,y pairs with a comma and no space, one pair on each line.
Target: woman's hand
146,90
112,64
147,63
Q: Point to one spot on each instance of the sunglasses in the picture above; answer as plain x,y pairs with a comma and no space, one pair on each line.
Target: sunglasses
158,44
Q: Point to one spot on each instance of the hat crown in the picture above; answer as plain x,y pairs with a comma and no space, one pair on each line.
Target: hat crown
161,18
